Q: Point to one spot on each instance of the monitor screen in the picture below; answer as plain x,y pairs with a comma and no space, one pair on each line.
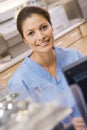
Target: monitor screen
76,73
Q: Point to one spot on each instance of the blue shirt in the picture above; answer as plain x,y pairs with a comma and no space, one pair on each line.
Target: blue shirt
32,79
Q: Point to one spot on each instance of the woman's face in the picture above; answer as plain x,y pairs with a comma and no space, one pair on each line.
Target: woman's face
38,33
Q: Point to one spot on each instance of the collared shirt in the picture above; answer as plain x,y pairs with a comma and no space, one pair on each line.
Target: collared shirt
32,80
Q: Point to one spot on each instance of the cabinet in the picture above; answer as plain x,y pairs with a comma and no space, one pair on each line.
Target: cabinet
76,38
5,76
81,45
68,38
83,29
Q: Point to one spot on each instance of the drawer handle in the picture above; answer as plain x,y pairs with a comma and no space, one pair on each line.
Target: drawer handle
59,43
6,76
74,34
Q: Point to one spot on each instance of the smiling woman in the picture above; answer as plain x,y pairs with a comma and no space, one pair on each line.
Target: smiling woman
37,33
43,67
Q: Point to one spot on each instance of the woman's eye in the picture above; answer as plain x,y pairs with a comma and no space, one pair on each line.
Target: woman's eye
44,27
30,33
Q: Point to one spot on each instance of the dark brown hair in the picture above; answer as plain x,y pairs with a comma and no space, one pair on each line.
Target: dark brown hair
27,12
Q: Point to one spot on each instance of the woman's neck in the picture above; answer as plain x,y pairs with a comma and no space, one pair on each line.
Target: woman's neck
44,59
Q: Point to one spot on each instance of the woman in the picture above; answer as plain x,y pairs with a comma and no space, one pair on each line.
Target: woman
42,68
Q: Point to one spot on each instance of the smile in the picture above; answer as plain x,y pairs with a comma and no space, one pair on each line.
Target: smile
43,44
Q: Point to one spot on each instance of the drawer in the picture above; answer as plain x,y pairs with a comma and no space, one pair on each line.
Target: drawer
80,45
69,38
83,29
61,42
73,36
5,76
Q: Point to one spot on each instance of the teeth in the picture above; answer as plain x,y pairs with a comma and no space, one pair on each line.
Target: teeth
43,43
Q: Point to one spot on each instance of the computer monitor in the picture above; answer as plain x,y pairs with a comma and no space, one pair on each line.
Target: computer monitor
76,73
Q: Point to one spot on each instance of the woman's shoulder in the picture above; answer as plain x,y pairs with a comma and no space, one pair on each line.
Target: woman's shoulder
68,52
19,74
63,50
66,56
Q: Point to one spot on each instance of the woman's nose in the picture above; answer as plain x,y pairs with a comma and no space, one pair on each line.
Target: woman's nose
40,35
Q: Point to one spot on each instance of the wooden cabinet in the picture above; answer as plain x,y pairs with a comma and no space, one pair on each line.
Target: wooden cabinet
69,38
81,45
83,29
5,76
77,39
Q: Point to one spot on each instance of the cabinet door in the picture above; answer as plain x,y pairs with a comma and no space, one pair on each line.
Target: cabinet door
5,76
80,45
83,29
69,38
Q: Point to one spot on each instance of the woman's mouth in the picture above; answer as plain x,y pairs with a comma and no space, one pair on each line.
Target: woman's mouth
44,43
